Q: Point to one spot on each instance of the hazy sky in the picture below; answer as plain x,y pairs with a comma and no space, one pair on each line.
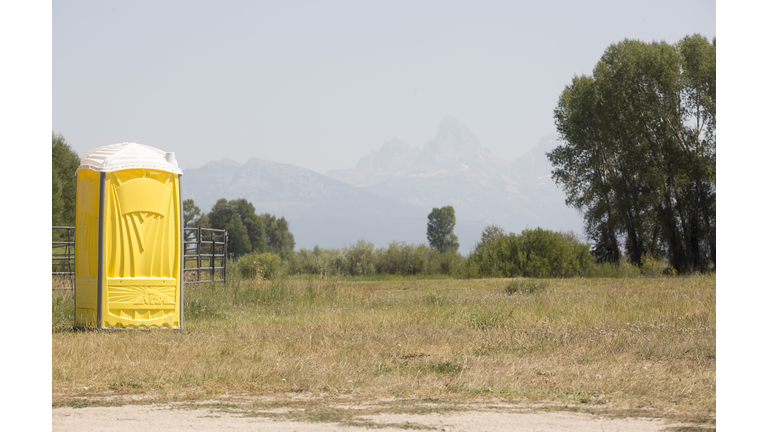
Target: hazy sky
321,84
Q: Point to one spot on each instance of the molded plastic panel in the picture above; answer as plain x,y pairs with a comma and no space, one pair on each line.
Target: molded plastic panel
142,250
86,248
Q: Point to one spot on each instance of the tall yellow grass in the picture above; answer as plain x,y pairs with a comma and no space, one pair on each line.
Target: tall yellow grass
632,343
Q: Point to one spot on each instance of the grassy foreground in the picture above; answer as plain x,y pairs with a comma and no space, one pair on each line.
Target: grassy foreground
630,344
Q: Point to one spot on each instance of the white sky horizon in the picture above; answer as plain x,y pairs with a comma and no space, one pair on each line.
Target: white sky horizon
322,84
420,147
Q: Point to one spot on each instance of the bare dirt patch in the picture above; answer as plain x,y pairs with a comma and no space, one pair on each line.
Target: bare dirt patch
314,415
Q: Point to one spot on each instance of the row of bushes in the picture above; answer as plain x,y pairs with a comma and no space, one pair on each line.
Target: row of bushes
534,253
540,253
360,259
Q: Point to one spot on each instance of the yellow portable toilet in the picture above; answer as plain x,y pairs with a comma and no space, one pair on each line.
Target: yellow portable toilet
128,239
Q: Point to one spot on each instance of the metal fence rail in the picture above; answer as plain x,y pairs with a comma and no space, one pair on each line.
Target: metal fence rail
203,248
63,255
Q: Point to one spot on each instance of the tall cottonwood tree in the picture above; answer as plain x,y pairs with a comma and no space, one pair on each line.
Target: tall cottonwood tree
440,229
278,237
638,158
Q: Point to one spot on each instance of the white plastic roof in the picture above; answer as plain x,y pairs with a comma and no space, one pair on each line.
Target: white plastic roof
122,156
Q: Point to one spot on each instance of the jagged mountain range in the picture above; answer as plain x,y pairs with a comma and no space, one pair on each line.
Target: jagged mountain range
390,192
272,187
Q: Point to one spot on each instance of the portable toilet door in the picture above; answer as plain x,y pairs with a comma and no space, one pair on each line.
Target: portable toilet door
129,239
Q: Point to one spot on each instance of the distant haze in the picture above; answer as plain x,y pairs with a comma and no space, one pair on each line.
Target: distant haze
321,84
389,194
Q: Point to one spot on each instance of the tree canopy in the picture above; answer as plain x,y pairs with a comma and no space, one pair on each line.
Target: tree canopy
440,229
193,217
639,149
249,232
64,189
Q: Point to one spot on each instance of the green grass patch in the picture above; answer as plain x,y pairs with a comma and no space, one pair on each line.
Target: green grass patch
446,368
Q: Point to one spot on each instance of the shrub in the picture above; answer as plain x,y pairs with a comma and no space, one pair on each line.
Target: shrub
536,253
265,265
360,258
402,259
654,267
620,269
307,261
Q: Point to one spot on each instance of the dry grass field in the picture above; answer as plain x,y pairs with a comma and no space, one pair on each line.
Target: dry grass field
626,347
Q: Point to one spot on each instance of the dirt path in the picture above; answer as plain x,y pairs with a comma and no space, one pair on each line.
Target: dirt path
147,418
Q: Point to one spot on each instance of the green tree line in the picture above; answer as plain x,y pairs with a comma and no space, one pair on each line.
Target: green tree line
247,231
533,253
64,163
639,152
